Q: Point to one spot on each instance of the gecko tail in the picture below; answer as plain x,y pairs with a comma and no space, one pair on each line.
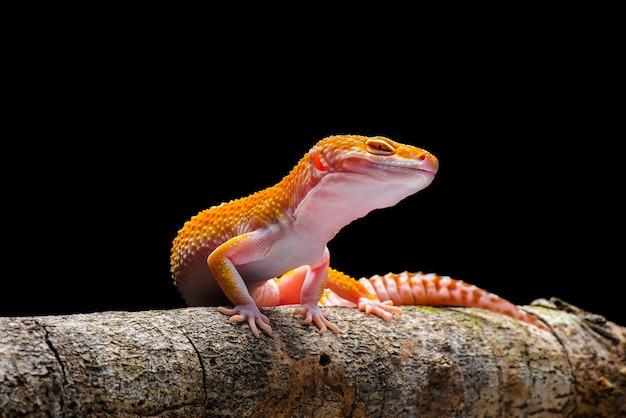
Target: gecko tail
433,290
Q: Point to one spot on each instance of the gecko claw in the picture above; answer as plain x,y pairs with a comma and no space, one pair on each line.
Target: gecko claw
242,314
315,315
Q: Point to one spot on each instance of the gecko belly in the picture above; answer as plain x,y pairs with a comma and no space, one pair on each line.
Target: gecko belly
198,286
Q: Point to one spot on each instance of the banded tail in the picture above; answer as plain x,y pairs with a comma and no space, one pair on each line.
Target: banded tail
420,289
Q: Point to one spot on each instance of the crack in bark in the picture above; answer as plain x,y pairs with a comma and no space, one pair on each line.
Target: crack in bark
57,356
204,371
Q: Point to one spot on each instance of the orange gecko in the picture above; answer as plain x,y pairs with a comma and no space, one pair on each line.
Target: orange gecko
270,248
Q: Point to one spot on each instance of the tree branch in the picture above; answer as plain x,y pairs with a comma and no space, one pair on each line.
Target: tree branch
429,362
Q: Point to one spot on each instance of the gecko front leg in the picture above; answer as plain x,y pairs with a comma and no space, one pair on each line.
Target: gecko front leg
221,261
312,289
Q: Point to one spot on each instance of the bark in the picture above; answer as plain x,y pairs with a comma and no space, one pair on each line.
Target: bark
431,362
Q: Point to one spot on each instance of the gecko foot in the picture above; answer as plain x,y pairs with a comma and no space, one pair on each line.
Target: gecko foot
376,307
250,315
315,314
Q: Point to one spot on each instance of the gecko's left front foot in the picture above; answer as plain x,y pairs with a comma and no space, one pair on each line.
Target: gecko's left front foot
379,308
249,314
315,314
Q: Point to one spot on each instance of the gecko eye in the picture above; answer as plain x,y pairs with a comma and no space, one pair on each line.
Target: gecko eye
379,146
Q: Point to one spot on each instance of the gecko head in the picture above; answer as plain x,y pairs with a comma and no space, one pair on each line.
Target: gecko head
344,177
375,159
354,174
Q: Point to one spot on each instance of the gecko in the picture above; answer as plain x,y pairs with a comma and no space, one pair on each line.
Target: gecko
270,247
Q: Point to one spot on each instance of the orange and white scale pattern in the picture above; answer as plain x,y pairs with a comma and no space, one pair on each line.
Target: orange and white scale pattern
420,289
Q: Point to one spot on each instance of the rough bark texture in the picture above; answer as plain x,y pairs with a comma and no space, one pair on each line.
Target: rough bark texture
431,362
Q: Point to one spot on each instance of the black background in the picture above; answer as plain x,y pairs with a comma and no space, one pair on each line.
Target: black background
112,157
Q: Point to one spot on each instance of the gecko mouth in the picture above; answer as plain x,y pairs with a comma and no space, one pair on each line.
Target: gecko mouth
426,168
408,168
374,171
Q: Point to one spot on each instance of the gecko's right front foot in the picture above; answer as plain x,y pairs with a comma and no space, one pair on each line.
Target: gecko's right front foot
252,316
313,314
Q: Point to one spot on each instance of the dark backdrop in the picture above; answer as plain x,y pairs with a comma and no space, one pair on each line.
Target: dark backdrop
110,161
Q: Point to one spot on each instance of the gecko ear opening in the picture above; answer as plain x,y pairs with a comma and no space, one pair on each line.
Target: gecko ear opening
318,163
380,146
